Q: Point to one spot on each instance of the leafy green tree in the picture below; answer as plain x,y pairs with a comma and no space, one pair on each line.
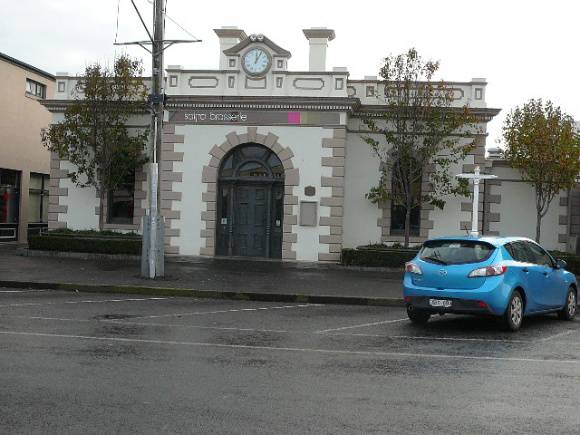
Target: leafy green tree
423,137
94,135
542,144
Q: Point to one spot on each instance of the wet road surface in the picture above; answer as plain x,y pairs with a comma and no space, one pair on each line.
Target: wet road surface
89,363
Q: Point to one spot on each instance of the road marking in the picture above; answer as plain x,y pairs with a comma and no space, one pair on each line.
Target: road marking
239,310
281,331
561,334
417,337
296,349
129,323
20,291
32,304
361,325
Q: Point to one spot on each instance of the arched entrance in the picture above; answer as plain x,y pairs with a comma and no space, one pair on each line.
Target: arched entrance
250,203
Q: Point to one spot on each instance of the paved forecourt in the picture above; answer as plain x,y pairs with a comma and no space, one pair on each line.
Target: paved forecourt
89,362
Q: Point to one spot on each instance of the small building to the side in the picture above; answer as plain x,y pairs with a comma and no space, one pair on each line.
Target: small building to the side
24,162
262,161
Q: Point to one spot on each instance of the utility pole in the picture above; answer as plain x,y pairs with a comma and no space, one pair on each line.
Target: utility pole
153,261
152,257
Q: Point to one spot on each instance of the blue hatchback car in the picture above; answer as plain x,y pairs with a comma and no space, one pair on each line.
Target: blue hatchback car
507,277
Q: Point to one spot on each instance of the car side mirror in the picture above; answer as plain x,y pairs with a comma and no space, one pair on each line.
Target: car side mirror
561,264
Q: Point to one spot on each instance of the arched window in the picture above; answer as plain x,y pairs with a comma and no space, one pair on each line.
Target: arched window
251,161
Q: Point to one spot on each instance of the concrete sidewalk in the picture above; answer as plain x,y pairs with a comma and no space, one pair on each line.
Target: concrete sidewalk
214,278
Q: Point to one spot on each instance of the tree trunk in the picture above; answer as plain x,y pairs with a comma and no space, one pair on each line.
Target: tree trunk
102,210
407,226
538,225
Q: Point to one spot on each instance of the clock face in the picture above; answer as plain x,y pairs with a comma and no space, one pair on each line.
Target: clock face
256,61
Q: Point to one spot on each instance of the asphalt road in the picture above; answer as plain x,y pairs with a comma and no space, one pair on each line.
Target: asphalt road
75,363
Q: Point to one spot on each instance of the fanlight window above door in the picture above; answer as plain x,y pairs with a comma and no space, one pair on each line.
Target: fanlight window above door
251,161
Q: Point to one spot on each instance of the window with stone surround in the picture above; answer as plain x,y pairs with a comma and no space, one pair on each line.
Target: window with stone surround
399,211
121,202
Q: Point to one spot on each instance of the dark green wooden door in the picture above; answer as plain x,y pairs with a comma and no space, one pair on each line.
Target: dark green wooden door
250,221
250,203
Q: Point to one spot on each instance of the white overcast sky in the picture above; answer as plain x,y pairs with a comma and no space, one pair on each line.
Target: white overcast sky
525,49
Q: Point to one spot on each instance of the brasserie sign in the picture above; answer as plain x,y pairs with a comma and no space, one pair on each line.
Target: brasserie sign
253,117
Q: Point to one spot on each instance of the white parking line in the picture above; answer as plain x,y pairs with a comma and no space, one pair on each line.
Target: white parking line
21,291
239,310
416,337
130,323
35,304
298,349
361,325
561,334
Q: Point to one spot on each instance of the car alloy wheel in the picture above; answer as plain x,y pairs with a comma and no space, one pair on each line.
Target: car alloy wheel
571,304
569,310
515,312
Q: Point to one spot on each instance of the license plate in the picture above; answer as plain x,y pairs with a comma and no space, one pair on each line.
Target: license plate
440,303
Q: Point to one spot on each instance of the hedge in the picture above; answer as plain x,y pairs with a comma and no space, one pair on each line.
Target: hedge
105,234
396,258
572,260
92,244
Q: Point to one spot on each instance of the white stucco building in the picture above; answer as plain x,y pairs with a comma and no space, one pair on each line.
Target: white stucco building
259,160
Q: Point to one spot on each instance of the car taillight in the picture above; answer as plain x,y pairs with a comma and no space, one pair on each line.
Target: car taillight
413,268
488,271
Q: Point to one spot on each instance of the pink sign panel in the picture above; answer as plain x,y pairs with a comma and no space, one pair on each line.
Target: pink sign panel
294,118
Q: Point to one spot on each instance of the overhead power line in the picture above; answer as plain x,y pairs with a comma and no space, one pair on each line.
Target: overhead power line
117,29
176,23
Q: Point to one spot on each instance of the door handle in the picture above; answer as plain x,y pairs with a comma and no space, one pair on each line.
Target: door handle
525,270
545,273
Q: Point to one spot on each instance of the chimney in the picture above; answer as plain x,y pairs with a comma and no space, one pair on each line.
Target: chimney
318,38
229,36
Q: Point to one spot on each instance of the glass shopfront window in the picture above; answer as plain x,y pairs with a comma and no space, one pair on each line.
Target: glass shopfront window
38,203
9,204
38,198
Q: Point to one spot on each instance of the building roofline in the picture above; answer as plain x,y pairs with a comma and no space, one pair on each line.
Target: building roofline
26,66
264,40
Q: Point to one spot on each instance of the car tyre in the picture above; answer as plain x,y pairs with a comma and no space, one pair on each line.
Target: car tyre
418,317
514,313
569,310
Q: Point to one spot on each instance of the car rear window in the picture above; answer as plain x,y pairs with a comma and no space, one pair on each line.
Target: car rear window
455,251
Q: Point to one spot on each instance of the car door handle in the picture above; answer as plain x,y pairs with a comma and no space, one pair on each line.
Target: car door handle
525,270
545,273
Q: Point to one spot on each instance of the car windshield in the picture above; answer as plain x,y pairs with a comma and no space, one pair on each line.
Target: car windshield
455,251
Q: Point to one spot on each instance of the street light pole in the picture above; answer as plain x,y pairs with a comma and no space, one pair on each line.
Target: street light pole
476,177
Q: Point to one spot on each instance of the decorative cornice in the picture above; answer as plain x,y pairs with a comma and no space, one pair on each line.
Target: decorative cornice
59,106
230,33
263,103
312,73
321,33
481,114
434,83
